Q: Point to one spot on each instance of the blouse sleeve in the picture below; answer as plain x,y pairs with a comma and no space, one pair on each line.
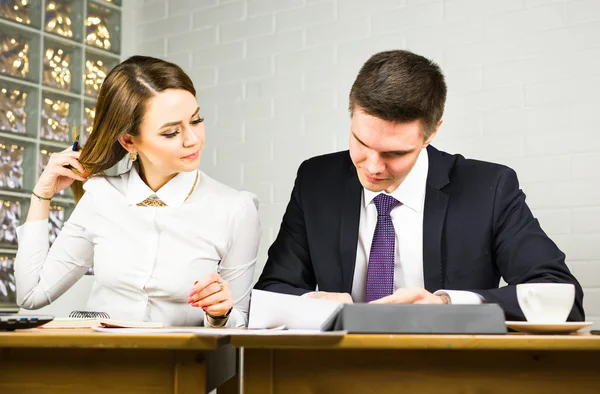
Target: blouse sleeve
43,274
237,267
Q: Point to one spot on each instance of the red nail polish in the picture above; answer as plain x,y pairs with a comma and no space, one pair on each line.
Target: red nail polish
204,308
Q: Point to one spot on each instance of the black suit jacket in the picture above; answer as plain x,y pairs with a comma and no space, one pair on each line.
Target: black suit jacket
477,228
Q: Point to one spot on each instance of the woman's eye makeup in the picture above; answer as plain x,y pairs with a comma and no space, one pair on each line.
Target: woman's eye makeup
172,134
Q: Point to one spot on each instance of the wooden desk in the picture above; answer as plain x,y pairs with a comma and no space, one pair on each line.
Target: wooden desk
83,361
421,364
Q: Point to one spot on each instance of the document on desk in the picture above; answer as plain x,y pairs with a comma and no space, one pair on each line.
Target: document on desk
270,314
269,310
216,331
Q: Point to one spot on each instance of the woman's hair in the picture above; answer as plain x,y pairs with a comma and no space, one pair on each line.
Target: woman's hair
121,106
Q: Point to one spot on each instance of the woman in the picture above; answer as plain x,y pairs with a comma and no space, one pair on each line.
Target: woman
167,242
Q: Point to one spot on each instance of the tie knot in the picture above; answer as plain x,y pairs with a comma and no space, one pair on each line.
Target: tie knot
384,204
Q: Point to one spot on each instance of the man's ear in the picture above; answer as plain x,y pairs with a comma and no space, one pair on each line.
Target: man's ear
430,138
127,143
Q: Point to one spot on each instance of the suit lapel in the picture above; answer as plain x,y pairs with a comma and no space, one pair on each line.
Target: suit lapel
350,218
434,216
436,205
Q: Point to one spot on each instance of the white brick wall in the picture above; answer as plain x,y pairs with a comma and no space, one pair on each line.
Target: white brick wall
273,78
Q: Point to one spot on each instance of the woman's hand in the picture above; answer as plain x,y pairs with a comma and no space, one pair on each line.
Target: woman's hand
57,176
212,294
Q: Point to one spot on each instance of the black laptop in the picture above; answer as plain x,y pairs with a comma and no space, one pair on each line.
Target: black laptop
13,321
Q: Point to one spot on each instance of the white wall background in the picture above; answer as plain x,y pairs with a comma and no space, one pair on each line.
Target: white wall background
273,78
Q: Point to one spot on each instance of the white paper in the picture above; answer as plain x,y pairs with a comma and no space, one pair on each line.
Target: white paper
268,310
270,314
215,331
76,322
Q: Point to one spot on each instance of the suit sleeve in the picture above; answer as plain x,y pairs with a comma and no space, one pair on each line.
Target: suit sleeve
289,267
523,252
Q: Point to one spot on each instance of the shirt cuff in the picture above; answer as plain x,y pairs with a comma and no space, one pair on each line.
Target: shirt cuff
307,294
236,319
461,297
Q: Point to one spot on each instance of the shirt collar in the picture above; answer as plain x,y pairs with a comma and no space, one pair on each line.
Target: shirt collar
411,192
173,193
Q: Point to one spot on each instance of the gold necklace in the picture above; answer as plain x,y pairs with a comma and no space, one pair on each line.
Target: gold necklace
155,202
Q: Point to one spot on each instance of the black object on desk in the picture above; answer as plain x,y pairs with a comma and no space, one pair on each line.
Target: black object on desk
10,322
418,319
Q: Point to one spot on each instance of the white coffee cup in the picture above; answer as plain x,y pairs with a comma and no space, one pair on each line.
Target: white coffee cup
546,303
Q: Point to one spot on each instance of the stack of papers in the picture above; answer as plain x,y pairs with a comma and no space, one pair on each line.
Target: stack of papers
271,310
217,331
270,314
70,322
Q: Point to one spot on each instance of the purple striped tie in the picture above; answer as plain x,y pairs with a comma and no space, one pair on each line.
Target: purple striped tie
380,273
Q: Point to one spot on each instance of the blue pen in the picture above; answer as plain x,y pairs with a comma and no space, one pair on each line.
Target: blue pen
76,143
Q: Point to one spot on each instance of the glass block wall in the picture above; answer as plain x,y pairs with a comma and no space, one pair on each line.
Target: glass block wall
54,54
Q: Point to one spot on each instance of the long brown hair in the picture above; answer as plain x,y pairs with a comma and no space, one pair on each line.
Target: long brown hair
121,106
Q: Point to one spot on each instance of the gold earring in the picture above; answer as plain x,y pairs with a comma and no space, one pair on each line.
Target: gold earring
132,156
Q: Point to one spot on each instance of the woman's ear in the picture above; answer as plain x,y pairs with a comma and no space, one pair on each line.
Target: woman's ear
127,143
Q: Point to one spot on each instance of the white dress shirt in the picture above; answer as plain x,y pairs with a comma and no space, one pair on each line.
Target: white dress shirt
145,259
407,218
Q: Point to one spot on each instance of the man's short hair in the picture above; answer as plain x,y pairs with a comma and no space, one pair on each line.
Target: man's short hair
400,86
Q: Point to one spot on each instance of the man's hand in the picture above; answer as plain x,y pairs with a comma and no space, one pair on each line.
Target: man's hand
323,295
411,296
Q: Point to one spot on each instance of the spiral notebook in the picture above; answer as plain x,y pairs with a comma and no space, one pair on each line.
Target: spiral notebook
89,319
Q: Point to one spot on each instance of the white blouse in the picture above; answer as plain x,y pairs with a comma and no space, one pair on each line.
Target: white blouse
145,259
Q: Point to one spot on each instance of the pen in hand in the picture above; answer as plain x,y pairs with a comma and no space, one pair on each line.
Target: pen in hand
75,148
76,143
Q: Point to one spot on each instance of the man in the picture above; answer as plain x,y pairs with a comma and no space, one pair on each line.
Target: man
394,220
